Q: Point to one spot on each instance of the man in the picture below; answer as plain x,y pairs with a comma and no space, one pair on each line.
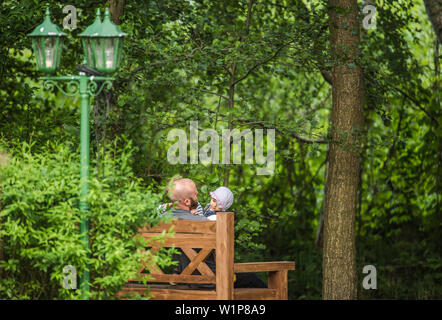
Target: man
184,196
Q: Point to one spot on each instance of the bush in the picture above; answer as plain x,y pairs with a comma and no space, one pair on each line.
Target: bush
39,227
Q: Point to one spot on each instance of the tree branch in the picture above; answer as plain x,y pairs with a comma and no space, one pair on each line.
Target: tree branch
327,76
263,62
294,135
189,56
417,105
211,92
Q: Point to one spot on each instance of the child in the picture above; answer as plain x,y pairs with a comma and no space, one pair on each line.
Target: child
222,200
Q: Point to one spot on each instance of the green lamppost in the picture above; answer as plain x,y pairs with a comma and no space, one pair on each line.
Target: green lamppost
102,44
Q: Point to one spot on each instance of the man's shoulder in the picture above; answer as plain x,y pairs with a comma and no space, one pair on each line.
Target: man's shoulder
186,215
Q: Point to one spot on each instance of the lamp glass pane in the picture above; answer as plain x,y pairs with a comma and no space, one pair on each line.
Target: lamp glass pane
98,52
109,56
89,52
49,50
120,49
38,51
59,49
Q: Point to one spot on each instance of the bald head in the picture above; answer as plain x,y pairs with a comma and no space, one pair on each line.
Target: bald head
181,188
183,193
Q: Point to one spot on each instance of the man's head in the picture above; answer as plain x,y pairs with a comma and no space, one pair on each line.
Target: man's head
183,193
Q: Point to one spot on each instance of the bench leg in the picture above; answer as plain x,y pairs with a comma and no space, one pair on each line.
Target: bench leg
278,280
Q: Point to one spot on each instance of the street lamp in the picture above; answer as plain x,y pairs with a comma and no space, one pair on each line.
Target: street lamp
47,41
102,45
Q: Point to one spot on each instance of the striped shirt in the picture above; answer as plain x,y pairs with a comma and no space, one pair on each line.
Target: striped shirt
163,208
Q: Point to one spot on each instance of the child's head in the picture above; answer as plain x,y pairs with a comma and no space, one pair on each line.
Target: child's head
222,199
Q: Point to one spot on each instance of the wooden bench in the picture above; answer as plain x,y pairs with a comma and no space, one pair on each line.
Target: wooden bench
208,235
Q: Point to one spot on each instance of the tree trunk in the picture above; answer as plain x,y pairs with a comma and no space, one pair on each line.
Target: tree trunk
339,263
116,10
434,11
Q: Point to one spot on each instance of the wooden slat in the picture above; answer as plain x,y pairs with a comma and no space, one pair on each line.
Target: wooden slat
189,294
186,226
177,278
263,266
224,256
196,262
172,294
184,240
255,293
278,281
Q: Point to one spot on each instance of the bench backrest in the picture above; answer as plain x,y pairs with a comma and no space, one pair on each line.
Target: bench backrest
205,235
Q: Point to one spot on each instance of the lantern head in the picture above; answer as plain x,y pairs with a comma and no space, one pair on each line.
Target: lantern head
47,41
103,44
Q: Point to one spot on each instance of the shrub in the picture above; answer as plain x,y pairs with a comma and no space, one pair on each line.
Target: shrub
39,226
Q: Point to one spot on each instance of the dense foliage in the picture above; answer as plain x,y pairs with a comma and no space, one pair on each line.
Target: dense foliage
40,224
228,65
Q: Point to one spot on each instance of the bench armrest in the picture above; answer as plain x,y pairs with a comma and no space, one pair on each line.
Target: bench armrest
263,266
